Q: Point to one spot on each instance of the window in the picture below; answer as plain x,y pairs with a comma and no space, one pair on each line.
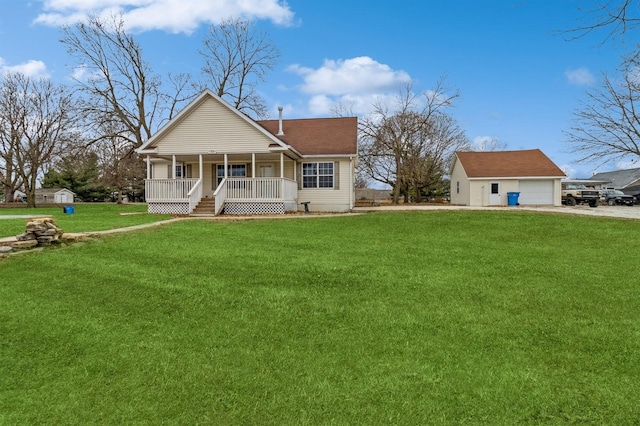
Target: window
457,187
317,175
233,170
182,171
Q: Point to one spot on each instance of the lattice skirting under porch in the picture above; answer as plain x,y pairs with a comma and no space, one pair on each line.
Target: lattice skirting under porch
253,208
168,208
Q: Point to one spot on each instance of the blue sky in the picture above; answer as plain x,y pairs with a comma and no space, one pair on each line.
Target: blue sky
518,76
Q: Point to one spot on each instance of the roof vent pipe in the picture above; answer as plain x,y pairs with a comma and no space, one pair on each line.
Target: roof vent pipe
280,132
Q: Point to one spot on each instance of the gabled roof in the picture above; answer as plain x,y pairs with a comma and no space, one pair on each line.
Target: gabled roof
191,107
495,164
619,178
318,136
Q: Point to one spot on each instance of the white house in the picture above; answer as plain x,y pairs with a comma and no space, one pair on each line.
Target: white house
486,178
212,154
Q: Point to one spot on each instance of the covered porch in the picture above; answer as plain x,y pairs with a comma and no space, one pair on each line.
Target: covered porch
232,183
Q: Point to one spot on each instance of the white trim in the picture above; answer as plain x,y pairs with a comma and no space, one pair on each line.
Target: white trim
514,177
194,104
343,156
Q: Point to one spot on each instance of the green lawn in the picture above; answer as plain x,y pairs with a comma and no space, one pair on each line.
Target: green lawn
387,318
86,217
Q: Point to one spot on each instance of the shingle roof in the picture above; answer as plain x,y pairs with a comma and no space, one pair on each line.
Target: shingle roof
526,163
619,178
318,136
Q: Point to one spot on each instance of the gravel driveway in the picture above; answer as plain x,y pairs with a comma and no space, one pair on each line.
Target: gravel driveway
604,211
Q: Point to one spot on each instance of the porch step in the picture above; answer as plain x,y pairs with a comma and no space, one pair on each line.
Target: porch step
206,206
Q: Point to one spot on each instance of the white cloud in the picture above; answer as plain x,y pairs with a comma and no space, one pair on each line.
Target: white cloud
627,164
580,77
176,16
31,68
569,170
356,83
359,75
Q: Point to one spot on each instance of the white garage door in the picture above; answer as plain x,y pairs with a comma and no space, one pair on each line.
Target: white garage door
539,192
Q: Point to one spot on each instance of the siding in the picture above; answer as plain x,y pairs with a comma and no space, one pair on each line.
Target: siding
330,200
212,127
458,176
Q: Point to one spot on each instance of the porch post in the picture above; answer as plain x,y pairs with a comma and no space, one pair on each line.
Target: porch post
226,162
253,164
253,175
282,165
295,171
281,175
148,167
173,168
200,165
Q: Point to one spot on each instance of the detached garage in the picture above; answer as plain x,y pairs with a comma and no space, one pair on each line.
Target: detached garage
485,178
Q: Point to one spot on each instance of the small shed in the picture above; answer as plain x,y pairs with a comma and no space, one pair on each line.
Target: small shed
485,178
54,195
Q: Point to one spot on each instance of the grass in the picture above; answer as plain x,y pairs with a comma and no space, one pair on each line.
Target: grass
86,217
387,318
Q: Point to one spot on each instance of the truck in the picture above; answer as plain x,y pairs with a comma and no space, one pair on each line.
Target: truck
578,193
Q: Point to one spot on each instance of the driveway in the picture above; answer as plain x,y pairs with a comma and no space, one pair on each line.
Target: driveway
624,212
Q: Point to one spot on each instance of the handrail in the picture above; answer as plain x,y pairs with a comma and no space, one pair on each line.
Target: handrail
220,196
195,195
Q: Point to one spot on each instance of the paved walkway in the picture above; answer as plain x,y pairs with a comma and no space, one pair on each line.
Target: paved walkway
20,216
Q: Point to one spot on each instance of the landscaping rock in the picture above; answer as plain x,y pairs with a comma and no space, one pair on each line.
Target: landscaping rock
5,249
24,244
40,231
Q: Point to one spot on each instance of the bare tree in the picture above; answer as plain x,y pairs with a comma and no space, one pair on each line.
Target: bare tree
428,158
37,124
116,81
237,58
122,98
488,144
607,127
618,17
11,119
409,147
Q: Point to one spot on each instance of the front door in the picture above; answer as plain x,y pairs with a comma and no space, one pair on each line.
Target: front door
494,194
266,170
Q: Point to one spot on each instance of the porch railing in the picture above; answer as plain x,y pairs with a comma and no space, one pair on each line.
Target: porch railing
230,189
170,190
260,189
220,195
195,195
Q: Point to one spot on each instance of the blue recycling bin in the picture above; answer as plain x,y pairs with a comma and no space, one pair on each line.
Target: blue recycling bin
68,209
512,198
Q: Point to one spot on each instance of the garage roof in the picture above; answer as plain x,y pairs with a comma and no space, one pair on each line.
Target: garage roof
494,164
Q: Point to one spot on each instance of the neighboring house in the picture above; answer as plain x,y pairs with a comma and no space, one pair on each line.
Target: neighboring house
628,181
54,195
484,178
213,153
